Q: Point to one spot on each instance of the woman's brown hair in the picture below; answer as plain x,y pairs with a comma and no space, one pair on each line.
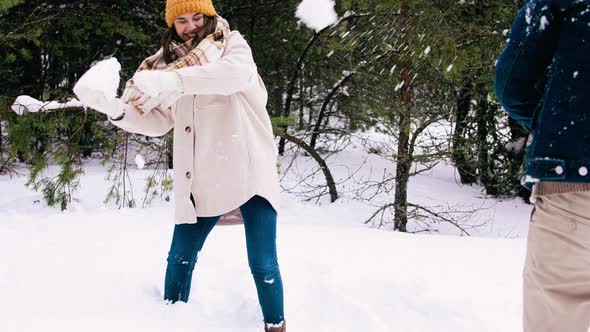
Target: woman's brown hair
170,35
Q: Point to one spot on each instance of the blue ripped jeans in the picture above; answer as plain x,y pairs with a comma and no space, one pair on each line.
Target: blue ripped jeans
260,223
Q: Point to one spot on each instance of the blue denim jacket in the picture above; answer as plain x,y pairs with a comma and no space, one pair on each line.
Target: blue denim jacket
543,81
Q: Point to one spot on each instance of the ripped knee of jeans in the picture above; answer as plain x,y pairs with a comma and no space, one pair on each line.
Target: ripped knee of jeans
181,259
266,273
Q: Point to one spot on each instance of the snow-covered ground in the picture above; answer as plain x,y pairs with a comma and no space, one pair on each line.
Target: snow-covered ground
96,268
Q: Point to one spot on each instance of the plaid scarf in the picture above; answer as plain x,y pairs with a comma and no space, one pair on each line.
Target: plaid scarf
208,50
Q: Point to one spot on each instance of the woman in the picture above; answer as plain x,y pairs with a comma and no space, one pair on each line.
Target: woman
204,84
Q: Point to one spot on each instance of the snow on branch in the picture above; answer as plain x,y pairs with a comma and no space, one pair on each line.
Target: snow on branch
27,103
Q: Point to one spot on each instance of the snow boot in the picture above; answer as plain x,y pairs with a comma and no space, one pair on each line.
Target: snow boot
282,328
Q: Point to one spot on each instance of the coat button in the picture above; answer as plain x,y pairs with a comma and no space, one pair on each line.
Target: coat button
583,171
558,170
188,129
188,175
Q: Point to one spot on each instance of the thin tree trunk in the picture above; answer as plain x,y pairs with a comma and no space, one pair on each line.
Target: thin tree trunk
402,171
310,96
124,169
169,149
461,144
519,133
485,122
404,160
301,104
483,148
1,137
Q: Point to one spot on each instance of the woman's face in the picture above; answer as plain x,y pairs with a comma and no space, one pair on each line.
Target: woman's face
188,25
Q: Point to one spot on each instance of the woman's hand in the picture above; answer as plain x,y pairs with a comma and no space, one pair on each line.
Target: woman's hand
158,82
163,100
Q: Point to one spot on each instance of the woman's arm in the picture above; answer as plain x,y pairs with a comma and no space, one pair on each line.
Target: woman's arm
229,75
232,73
155,123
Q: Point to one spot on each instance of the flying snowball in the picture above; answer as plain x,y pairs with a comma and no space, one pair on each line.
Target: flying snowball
317,14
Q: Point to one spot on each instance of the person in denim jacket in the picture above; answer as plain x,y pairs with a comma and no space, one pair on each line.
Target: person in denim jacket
543,81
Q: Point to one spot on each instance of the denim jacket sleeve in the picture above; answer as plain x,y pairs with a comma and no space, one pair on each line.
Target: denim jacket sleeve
521,70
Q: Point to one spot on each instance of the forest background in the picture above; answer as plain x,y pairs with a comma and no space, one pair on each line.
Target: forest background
417,73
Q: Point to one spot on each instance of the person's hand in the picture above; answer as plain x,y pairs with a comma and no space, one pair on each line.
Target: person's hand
157,82
163,100
95,99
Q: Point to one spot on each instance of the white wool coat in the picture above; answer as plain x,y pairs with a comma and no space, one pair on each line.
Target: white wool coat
224,148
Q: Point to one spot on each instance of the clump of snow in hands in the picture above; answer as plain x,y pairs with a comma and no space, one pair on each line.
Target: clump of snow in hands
32,105
317,14
102,77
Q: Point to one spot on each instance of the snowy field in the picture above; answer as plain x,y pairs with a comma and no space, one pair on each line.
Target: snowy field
96,268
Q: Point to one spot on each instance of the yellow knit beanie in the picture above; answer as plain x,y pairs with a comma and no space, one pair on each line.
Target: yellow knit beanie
175,8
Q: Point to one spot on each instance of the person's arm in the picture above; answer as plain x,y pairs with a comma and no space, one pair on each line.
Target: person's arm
155,123
229,75
232,73
522,67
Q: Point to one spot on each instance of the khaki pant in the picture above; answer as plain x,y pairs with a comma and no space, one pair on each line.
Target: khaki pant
557,268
